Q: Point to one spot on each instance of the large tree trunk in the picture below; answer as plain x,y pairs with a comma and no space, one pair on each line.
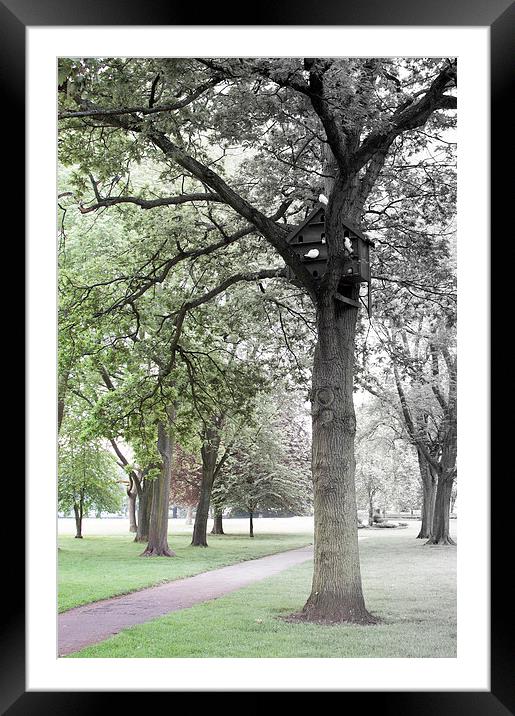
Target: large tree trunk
440,533
199,538
251,524
428,480
131,494
77,509
336,594
158,532
144,509
218,527
210,447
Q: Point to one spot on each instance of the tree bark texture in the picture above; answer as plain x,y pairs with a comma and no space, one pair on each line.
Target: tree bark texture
440,532
209,451
144,509
218,527
158,530
428,479
336,594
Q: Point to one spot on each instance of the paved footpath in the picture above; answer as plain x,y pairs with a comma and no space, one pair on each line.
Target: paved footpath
92,623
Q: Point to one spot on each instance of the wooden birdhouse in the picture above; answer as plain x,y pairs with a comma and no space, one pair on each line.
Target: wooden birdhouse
309,242
356,268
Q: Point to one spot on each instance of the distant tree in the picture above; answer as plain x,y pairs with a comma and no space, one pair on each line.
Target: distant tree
413,372
88,480
426,385
268,466
386,466
185,479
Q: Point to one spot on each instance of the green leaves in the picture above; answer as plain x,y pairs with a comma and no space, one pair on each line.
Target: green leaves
87,474
269,460
128,274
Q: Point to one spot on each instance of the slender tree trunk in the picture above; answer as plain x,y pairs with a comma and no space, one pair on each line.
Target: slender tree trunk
77,509
453,502
62,383
210,447
189,515
158,532
251,524
336,594
218,527
144,509
174,512
199,538
428,480
133,526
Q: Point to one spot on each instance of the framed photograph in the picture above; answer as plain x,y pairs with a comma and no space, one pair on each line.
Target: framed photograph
476,677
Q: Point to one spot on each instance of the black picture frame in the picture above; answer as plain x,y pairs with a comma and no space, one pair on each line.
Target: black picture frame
499,16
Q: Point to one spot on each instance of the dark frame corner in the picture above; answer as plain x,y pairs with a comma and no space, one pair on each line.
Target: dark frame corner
499,15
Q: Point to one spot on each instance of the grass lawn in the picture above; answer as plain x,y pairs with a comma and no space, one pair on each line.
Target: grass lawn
411,587
98,567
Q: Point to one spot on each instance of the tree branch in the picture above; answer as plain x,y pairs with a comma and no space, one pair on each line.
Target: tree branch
435,370
273,232
276,235
410,115
142,109
149,203
412,430
208,296
164,269
335,136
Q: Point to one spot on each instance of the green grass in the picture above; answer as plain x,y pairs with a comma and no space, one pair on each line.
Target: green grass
411,587
99,567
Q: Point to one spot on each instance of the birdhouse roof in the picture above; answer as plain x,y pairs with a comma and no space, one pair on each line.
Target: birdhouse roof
312,215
